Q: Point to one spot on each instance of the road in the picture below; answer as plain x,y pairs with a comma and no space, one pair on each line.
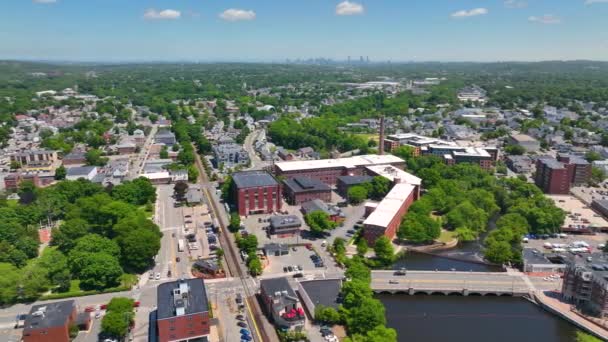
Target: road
137,165
261,328
256,162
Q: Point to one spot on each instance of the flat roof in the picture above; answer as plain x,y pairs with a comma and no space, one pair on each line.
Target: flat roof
351,162
323,291
392,172
250,179
305,184
195,300
55,314
354,180
273,285
523,138
285,221
390,205
80,170
534,256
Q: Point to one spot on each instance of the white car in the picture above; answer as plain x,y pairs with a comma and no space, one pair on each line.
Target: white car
157,276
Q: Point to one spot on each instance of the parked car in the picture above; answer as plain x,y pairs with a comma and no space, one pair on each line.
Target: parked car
298,275
157,276
242,324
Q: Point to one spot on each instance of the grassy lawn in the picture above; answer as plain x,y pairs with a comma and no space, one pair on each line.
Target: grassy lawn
446,236
128,279
74,285
368,136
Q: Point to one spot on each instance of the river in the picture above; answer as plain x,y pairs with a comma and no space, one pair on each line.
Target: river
468,319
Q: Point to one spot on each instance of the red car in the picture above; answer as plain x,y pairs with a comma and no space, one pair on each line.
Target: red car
309,246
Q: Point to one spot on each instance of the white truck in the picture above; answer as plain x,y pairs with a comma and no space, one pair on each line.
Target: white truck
180,245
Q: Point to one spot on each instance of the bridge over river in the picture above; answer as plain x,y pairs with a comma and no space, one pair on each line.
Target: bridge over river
452,283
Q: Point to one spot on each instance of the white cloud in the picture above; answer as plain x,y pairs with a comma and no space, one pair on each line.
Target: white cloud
167,14
546,19
235,14
349,8
591,2
469,13
516,4
44,1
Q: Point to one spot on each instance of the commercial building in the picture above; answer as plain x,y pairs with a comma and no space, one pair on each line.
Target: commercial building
182,311
525,141
386,218
585,283
396,175
285,226
74,158
39,179
332,211
415,141
35,159
328,170
472,94
77,172
344,183
256,192
281,304
302,189
520,164
325,292
50,322
536,262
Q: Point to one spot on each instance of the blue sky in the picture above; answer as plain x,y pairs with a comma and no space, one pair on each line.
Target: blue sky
272,30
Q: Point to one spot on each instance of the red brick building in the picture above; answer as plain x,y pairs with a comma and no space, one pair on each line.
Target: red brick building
50,322
302,189
556,176
183,311
386,218
40,179
328,170
256,192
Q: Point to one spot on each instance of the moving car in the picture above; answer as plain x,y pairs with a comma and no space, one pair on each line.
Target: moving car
157,276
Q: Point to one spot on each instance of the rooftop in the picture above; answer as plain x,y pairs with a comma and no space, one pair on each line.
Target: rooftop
274,285
250,179
390,205
522,138
181,297
324,292
317,205
80,170
285,221
551,163
351,162
392,173
354,180
305,184
534,256
48,315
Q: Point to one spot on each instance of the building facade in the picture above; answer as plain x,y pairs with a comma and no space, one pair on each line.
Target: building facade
40,179
256,192
302,189
579,170
50,322
585,284
35,159
183,311
552,177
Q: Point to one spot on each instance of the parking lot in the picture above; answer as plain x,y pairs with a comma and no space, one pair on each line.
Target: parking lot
300,257
588,194
593,240
578,213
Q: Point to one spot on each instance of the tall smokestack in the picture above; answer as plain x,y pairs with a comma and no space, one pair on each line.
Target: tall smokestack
381,140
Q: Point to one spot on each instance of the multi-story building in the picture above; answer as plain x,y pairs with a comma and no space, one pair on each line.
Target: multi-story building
40,179
281,304
520,164
50,322
346,182
525,141
472,94
229,155
77,172
35,159
556,176
328,170
579,170
256,192
302,189
585,283
552,176
415,141
182,311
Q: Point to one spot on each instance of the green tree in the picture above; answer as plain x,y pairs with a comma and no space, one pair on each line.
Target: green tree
99,271
354,292
592,156
116,324
584,337
419,228
498,252
60,173
326,314
319,222
8,283
362,247
164,153
94,157
404,152
179,191
254,265
78,257
138,248
137,192
68,233
357,194
235,222
597,175
515,149
192,173
366,316
120,304
385,252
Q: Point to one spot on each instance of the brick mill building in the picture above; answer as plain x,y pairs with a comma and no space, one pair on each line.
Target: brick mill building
302,189
50,322
256,192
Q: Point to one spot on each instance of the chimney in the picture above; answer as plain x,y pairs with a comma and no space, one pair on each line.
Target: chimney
381,140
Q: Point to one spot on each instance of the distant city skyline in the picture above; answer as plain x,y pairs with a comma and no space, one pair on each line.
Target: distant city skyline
273,31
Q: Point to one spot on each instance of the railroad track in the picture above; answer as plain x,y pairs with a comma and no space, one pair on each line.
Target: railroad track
231,258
